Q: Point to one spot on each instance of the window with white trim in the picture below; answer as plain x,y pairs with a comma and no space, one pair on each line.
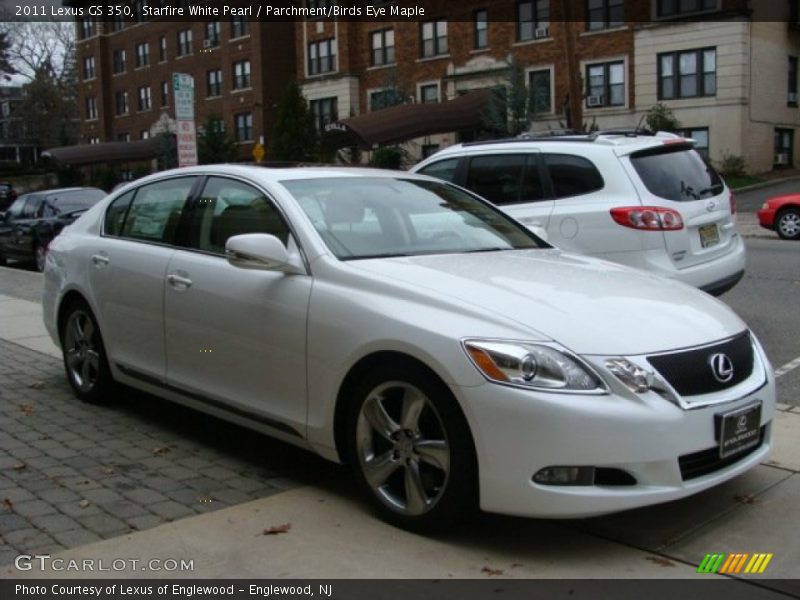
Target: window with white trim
687,74
241,74
533,19
605,84
433,38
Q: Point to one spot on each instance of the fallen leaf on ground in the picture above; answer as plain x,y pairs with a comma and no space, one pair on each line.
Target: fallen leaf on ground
37,385
27,409
83,503
490,571
276,529
108,471
745,498
660,561
19,466
8,504
161,450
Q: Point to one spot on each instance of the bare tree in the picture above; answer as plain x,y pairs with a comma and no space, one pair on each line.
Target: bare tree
37,46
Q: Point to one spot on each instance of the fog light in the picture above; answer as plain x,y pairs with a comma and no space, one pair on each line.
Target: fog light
565,476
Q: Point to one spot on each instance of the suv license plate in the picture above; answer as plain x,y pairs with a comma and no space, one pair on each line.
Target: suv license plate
709,235
740,430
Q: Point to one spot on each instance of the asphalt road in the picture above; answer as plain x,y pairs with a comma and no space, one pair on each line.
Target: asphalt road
751,201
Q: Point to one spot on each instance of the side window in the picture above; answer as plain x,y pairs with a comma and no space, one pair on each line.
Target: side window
443,169
532,184
572,175
31,207
156,210
48,210
115,214
498,178
15,210
228,207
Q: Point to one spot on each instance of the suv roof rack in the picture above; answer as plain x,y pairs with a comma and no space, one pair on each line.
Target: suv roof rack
534,137
626,131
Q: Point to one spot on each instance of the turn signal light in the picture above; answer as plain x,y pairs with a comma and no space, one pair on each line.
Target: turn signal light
648,218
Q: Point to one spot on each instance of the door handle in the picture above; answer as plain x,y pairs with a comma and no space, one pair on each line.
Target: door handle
99,259
177,280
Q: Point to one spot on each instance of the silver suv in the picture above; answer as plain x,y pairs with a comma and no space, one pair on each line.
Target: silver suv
644,200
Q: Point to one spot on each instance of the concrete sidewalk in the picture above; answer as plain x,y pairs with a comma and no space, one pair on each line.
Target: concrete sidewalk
332,534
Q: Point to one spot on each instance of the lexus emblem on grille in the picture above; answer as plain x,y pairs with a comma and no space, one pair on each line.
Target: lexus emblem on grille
721,367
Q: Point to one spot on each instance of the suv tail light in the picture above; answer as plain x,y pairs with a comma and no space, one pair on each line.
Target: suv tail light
648,218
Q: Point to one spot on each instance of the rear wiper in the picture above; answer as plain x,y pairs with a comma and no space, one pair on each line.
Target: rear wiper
713,190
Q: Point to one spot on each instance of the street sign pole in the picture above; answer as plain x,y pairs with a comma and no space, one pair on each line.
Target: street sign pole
183,92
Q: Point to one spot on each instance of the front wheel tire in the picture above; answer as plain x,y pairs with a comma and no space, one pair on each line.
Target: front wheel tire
787,225
411,449
85,356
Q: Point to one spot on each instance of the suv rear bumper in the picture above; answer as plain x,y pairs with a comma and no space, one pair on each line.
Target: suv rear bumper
723,285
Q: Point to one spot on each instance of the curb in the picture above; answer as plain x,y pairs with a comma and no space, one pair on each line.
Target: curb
766,184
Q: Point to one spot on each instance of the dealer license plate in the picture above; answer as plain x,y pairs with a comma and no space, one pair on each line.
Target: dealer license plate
709,235
740,430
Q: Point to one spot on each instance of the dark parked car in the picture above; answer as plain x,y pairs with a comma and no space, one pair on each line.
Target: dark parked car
7,195
36,218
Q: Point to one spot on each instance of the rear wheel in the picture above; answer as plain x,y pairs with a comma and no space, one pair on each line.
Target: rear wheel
411,449
788,224
85,356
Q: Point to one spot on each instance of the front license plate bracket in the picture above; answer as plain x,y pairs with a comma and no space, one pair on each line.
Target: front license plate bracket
739,430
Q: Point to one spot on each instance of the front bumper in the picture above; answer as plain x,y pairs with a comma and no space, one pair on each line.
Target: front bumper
518,432
766,218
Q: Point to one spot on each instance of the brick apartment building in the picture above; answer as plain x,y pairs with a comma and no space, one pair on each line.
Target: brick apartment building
240,70
728,69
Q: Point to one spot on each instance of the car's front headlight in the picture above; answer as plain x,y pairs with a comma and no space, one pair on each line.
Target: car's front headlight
532,365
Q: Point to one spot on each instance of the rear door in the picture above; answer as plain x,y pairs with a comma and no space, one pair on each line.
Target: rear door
676,176
514,182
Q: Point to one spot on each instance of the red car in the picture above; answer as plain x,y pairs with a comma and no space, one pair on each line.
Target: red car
782,215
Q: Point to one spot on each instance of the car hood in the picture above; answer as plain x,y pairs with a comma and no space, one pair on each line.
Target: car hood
589,305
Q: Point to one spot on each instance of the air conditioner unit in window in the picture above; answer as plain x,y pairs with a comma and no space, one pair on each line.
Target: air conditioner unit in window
541,32
792,97
594,101
782,159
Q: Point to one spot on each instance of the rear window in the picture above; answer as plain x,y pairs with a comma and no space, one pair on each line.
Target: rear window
678,174
68,202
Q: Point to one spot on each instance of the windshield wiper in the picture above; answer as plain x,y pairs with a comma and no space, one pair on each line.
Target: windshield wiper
490,249
367,256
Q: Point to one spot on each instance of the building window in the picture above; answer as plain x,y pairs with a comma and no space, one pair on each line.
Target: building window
481,29
117,23
121,103
164,93
700,136
144,134
433,38
604,14
123,137
784,147
533,20
239,27
142,54
605,84
325,110
212,34
241,74
540,89
322,56
162,48
429,150
214,82
382,47
243,124
119,61
676,8
88,67
184,42
144,98
91,108
94,140
87,28
687,74
791,97
429,93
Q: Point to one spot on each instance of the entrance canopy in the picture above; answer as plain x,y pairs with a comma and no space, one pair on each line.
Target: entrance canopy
408,121
85,154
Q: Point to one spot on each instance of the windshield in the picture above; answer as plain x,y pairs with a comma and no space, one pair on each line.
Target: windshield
382,217
677,173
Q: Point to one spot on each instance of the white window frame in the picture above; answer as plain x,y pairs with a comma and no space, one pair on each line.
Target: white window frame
626,88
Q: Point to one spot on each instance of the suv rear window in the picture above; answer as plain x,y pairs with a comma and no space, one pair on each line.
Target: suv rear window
676,173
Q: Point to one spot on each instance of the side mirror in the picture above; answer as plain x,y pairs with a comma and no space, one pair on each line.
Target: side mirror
260,251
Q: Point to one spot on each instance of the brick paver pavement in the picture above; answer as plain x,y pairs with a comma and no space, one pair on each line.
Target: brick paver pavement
73,473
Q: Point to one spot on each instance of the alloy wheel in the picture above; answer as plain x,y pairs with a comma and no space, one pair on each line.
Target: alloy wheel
402,448
789,225
81,351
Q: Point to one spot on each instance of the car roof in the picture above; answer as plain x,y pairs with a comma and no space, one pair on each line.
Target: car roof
621,142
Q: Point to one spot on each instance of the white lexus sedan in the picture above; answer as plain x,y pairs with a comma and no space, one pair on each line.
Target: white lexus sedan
402,325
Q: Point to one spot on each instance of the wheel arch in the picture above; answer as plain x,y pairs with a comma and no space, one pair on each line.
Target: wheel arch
358,370
71,297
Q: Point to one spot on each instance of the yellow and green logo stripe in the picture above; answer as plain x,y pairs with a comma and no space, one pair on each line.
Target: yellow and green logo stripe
738,562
